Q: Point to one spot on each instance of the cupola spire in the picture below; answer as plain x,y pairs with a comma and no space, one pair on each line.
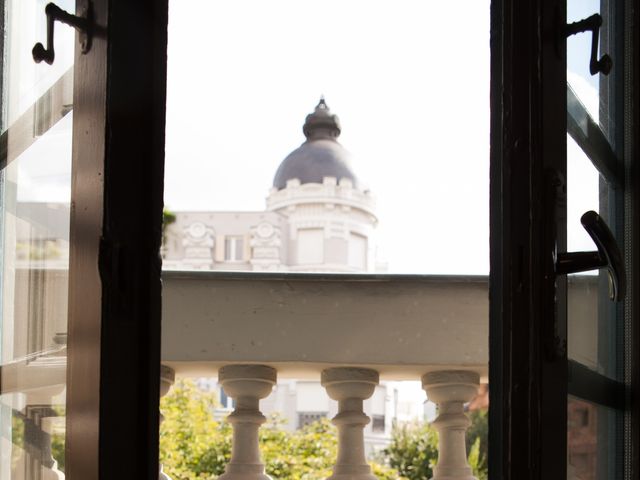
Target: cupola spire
320,156
321,123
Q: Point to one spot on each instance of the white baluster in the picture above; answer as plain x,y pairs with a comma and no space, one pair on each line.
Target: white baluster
167,377
246,384
451,390
350,387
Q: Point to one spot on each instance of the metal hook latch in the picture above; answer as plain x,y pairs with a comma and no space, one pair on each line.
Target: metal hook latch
608,255
83,24
592,24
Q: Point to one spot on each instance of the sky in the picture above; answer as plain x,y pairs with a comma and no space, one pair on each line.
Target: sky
409,80
244,74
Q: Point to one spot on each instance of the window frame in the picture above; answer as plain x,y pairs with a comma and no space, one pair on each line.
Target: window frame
632,164
527,431
308,252
122,111
605,147
528,125
116,225
234,246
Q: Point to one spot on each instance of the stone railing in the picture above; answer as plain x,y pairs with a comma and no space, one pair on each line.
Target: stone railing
247,384
348,332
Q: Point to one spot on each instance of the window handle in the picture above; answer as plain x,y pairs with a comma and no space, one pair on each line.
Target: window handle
608,255
592,24
83,24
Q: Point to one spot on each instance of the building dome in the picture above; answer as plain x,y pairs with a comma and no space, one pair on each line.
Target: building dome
321,155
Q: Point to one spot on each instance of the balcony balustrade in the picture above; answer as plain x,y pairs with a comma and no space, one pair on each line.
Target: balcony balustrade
247,384
349,332
310,326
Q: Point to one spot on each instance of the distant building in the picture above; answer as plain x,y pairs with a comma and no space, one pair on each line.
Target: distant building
301,402
318,218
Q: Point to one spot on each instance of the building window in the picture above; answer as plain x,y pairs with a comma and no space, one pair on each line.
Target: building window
310,246
583,417
307,418
233,249
358,251
377,423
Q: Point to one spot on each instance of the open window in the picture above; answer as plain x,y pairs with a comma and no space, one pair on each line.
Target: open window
332,157
562,346
81,164
114,213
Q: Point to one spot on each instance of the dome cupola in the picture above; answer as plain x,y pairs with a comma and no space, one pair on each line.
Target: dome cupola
320,156
321,123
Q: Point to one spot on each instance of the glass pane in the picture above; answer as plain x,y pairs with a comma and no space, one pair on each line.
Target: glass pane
591,441
583,194
583,83
591,329
24,82
35,186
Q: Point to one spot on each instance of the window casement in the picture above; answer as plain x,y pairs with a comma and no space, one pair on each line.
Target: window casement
116,91
307,418
234,248
545,363
114,273
378,423
310,246
357,251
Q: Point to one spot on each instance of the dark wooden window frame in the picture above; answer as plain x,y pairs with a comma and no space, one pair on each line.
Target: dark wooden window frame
113,374
527,433
115,288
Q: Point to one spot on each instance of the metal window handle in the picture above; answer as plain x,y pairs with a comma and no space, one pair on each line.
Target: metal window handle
83,24
608,255
592,24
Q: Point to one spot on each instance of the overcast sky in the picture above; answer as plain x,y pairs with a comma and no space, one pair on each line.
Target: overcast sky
244,74
409,80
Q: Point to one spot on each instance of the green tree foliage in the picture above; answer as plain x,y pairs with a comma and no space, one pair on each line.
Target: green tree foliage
17,438
195,446
477,462
477,443
168,217
413,451
57,449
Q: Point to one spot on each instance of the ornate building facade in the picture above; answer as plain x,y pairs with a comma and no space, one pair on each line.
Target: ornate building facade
318,217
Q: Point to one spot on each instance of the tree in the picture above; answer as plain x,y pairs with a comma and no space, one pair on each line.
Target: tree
477,443
413,451
168,217
195,446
